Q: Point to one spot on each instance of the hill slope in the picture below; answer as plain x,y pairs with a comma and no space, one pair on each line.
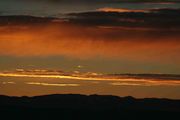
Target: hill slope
87,107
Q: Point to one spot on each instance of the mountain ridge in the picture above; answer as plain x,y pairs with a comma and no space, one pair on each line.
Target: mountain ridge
76,106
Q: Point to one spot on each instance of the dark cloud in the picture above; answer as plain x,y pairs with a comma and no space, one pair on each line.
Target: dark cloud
157,20
154,18
23,19
150,76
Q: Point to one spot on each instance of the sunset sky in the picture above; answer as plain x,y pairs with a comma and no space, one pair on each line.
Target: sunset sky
100,47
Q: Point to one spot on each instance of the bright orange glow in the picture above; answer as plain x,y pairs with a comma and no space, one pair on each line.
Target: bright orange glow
81,42
53,84
108,9
116,80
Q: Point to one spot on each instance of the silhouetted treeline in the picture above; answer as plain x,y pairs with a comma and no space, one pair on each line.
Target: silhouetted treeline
93,107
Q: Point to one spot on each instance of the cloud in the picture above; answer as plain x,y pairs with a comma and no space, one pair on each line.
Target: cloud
145,10
147,83
88,42
53,84
113,79
109,9
125,36
148,18
8,83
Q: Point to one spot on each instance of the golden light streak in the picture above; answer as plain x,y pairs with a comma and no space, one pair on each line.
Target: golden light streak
108,9
66,77
125,84
53,84
147,83
8,83
115,80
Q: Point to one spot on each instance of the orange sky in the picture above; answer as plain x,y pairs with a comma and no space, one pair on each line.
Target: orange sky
87,42
146,46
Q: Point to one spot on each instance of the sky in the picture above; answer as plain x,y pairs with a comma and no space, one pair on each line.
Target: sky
63,47
58,7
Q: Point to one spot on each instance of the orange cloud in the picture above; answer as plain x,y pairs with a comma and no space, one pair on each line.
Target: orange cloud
121,79
88,42
108,9
53,84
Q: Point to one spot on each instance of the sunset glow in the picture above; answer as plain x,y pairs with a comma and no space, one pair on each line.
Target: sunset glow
66,41
90,47
116,79
120,10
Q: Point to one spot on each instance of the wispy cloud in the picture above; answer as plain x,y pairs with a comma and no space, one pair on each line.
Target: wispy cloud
53,84
89,42
148,83
118,79
109,9
8,83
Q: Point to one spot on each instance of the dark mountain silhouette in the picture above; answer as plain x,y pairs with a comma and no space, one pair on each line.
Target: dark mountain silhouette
95,107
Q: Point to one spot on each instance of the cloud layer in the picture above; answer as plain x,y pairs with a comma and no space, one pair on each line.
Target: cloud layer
138,36
88,42
114,79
